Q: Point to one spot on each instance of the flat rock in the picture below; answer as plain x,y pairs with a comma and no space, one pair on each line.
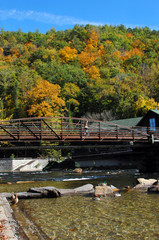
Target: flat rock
65,192
42,189
49,191
46,191
88,188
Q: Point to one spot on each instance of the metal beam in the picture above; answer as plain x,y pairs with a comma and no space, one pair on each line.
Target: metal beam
8,133
29,129
51,129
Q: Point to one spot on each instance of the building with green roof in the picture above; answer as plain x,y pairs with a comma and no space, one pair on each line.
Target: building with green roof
151,119
129,122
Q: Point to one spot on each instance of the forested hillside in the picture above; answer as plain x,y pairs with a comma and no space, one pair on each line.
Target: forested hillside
111,71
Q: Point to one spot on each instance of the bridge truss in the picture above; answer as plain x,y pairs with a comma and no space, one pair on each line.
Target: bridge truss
71,130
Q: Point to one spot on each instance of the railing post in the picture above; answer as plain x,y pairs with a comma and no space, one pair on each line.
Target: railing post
133,134
19,130
117,132
152,138
81,131
99,131
41,129
61,128
148,135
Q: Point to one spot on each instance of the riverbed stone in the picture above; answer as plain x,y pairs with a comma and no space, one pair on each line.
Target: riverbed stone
103,191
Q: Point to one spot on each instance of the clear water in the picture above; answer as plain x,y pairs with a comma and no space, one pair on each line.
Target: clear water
134,215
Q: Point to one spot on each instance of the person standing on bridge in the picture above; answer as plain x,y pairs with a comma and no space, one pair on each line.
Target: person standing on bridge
86,128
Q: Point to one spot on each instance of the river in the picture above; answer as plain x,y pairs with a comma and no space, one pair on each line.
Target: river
134,215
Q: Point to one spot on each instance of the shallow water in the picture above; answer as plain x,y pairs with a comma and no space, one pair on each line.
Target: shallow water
134,215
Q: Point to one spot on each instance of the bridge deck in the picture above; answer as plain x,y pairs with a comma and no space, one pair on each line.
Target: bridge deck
70,130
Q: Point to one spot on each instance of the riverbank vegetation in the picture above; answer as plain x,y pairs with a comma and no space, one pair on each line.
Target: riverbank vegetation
105,71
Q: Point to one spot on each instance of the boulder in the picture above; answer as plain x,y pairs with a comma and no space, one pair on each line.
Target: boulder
102,184
154,188
78,170
144,183
103,191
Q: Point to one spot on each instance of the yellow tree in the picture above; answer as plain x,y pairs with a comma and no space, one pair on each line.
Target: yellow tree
93,72
29,47
132,52
1,50
43,100
143,104
90,54
94,38
68,54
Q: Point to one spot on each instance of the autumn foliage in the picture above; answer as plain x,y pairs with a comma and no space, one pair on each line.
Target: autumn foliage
80,70
68,54
44,100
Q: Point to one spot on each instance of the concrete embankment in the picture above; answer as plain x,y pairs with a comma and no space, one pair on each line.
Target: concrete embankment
22,164
8,226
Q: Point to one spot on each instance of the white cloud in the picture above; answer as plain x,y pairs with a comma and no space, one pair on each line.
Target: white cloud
43,17
48,18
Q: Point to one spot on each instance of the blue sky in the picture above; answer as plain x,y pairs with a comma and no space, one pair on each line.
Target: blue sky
31,15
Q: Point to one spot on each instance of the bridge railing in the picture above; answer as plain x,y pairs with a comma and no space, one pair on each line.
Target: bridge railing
71,129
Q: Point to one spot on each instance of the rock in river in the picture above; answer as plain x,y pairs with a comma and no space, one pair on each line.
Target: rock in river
154,188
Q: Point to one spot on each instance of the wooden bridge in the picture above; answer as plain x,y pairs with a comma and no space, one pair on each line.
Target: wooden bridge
71,130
